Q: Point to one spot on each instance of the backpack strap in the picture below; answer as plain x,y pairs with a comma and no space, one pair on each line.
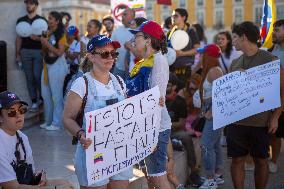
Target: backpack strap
121,84
17,151
80,115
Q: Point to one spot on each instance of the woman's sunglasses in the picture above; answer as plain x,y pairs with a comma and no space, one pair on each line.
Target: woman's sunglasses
105,54
13,113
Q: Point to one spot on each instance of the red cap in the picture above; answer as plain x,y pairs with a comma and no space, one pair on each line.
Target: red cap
151,28
211,50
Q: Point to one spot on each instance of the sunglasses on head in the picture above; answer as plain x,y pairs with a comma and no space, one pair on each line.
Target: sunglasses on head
13,113
105,54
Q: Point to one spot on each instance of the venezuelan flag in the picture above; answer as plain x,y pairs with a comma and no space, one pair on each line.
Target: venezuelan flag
98,158
268,18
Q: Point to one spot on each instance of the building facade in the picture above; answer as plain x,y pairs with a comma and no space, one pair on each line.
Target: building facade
81,10
214,14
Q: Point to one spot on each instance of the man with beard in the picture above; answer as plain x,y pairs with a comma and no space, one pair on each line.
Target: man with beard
28,51
108,23
278,50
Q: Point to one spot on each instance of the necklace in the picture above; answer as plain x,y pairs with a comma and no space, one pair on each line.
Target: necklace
247,66
107,86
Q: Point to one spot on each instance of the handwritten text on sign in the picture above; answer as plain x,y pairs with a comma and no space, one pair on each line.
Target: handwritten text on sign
123,134
239,95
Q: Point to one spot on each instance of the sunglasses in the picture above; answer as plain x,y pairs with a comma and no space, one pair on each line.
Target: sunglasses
105,54
13,113
175,16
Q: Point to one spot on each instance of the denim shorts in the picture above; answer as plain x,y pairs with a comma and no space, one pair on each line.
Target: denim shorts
156,163
81,170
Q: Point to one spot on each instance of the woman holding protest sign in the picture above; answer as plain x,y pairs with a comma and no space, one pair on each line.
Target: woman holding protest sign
96,89
153,70
210,140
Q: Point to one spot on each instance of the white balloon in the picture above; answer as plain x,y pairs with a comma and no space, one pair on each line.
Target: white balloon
171,56
179,39
196,99
38,26
23,29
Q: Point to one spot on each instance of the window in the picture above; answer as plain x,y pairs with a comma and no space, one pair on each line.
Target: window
238,1
182,3
200,17
280,12
200,3
238,15
258,15
219,18
218,2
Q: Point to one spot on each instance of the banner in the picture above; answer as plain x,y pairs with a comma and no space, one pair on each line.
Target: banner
241,94
117,8
268,18
122,134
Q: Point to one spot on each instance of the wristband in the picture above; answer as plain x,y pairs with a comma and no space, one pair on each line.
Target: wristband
79,134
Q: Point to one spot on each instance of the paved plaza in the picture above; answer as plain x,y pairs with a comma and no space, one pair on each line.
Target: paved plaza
53,152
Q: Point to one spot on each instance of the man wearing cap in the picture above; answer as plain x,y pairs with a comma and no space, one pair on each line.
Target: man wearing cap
123,35
28,55
16,160
251,135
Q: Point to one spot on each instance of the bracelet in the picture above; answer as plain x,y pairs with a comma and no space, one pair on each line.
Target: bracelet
79,134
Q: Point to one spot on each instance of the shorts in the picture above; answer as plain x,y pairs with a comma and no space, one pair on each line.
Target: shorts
81,170
156,163
280,131
244,140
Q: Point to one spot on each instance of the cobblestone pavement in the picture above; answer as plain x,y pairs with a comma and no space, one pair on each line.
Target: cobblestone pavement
54,153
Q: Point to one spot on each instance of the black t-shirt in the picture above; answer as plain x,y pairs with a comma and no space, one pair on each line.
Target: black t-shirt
183,61
177,109
27,42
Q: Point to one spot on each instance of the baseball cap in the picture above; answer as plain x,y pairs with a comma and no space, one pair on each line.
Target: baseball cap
32,1
101,41
8,99
211,50
73,31
151,28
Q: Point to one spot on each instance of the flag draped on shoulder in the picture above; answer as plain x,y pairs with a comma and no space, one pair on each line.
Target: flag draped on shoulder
268,18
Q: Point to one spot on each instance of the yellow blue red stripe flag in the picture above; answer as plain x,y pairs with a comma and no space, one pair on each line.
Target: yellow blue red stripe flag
268,18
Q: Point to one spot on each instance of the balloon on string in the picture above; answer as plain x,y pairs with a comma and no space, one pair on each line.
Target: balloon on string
23,29
38,26
171,56
179,39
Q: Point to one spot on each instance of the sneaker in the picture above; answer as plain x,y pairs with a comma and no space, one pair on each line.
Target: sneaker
180,186
273,168
34,107
44,126
52,128
195,180
209,184
219,179
249,167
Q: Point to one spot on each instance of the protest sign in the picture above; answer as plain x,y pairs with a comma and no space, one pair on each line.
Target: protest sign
241,94
123,134
117,8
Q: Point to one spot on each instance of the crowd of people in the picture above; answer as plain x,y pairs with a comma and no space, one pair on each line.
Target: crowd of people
70,74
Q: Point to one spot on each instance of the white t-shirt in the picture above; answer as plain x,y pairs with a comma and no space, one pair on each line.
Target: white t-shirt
7,150
160,76
75,48
228,61
79,87
121,34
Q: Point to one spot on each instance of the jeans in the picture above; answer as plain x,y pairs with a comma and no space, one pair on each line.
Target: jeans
211,149
52,92
156,163
32,67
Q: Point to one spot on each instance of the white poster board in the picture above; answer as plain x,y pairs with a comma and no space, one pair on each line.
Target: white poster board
241,94
118,6
123,134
